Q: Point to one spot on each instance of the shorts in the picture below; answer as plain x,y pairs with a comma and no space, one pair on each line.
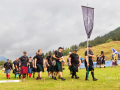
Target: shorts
40,68
34,70
29,70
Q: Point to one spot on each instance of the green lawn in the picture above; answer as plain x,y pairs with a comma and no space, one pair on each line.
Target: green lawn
108,79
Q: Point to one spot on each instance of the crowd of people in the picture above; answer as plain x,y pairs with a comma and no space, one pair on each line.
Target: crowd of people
101,60
26,66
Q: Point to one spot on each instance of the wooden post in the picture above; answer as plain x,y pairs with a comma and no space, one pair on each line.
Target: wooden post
73,82
44,80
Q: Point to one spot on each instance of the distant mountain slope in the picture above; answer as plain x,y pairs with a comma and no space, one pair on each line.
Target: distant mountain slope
3,58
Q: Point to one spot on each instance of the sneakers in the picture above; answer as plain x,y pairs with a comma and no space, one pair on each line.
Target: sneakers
63,79
95,79
76,77
40,78
55,78
72,77
37,78
86,79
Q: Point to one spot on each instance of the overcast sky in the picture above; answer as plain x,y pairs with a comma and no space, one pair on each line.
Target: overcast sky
47,24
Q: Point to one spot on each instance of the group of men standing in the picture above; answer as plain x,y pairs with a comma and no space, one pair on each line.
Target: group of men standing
25,65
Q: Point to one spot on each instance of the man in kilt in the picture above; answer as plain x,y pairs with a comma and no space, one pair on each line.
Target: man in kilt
39,63
89,64
74,62
58,67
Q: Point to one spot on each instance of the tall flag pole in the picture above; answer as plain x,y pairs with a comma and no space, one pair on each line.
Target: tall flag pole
88,17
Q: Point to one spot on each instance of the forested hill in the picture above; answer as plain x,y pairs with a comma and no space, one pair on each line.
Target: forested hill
111,36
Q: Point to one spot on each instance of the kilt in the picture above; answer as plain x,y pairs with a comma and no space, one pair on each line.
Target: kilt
34,70
48,68
40,68
58,66
7,71
52,68
91,67
74,68
103,61
23,69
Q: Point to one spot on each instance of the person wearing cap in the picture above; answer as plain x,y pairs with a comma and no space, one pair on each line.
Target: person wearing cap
24,60
74,61
58,56
39,63
34,69
49,63
89,64
8,67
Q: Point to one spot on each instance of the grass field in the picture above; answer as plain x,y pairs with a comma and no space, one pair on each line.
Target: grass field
108,79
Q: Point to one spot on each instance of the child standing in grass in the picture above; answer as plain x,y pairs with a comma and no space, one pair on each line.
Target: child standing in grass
30,67
8,67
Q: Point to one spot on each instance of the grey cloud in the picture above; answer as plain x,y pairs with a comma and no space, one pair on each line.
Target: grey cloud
47,24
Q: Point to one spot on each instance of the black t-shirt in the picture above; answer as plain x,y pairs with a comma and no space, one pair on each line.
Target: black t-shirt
8,65
49,58
74,58
16,63
58,55
30,64
24,60
90,58
91,53
39,59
